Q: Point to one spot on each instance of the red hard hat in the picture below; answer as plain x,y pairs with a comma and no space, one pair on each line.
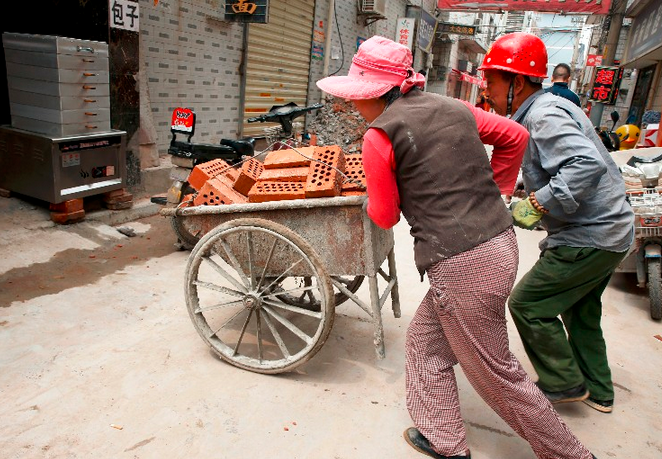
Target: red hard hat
517,52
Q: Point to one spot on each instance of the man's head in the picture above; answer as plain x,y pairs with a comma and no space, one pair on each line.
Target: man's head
561,74
514,68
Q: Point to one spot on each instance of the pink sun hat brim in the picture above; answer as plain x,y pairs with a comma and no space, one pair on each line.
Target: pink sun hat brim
379,65
350,88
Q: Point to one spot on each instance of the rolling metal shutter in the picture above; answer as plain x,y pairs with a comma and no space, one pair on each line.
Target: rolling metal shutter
278,60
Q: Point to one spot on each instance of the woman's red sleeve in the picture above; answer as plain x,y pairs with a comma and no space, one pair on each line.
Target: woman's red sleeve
509,140
379,167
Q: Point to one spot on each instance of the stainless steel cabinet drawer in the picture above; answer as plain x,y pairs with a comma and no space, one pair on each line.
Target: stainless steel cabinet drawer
59,89
54,45
56,75
58,129
59,61
61,116
57,102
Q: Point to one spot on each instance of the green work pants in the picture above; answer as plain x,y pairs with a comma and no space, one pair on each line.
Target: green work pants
566,282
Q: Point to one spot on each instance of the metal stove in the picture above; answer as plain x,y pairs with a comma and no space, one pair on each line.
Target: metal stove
56,169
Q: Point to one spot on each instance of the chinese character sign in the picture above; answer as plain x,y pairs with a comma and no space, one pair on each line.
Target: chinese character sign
606,84
404,31
646,31
593,59
243,6
426,29
124,14
457,29
249,11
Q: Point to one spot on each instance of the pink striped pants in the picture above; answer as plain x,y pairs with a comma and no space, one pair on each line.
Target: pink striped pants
462,320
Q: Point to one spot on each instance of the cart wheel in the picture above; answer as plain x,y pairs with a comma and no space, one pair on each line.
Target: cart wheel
185,239
308,300
234,278
654,285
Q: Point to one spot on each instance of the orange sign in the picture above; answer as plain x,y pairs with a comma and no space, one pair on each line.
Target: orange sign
243,7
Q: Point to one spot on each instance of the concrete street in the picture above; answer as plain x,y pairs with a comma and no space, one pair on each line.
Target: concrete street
99,359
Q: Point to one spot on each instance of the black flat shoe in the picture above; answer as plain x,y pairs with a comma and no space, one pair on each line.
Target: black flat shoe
603,406
575,394
422,445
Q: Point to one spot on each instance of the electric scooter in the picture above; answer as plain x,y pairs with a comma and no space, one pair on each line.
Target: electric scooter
187,154
610,140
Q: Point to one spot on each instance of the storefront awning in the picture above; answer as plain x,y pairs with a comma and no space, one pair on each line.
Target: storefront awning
644,45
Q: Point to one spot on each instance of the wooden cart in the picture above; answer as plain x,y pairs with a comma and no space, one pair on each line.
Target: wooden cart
263,282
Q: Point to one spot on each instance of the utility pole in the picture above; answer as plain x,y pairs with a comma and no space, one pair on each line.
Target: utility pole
616,14
575,61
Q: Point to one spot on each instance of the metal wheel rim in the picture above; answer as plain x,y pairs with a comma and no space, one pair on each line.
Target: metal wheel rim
306,301
262,334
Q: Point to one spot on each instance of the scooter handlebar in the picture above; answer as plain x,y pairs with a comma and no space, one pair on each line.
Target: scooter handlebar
284,112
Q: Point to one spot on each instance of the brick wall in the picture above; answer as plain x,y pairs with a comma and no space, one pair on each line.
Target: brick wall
192,60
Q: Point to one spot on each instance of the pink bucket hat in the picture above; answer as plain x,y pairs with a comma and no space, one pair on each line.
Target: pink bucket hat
379,65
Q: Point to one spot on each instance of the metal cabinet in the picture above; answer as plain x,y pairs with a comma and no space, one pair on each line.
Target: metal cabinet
57,86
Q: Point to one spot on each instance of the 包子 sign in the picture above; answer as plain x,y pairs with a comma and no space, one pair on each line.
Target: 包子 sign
123,14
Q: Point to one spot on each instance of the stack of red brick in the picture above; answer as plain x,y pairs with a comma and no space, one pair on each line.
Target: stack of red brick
284,174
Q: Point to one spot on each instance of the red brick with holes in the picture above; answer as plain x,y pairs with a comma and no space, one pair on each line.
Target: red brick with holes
290,174
250,171
203,172
288,158
325,181
354,171
276,191
216,191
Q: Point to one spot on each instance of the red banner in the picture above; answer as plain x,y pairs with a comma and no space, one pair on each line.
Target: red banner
550,6
593,60
464,76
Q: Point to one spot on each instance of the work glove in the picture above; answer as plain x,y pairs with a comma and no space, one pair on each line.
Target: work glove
524,214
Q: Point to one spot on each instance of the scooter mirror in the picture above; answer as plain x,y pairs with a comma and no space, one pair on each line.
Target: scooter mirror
614,116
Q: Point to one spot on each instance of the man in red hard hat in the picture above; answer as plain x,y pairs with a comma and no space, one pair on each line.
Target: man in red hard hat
576,193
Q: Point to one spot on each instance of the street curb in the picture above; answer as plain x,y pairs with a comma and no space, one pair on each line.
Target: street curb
141,208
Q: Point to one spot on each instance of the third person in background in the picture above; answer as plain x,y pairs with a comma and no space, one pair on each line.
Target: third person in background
560,80
576,192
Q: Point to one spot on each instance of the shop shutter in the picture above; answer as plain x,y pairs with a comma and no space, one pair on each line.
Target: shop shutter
278,60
